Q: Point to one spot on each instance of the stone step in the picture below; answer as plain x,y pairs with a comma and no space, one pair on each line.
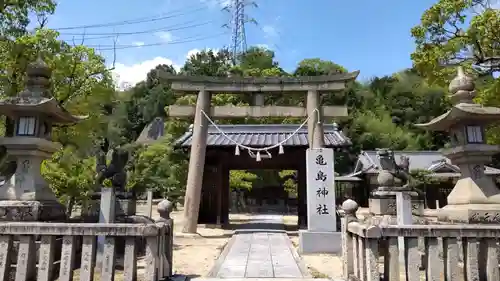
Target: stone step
263,279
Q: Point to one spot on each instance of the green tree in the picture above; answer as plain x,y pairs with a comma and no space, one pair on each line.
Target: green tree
15,15
160,168
80,79
241,180
449,34
70,177
289,181
142,103
208,63
371,130
80,82
461,33
317,67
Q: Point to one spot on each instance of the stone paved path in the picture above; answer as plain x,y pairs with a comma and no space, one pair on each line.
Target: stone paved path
260,250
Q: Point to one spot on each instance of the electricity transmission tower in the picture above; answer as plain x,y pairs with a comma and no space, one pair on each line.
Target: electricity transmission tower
238,20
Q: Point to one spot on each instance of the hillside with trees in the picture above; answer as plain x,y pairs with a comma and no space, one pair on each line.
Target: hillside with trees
382,111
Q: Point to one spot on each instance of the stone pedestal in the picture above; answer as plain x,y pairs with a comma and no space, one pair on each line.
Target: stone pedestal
470,214
123,206
14,210
475,197
26,196
383,202
320,242
472,201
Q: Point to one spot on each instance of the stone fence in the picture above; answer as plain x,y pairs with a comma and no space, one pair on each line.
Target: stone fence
371,252
42,251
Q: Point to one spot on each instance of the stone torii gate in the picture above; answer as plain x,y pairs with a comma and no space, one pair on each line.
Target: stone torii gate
205,86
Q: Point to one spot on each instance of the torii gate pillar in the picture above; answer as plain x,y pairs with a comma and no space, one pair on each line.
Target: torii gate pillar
315,133
196,163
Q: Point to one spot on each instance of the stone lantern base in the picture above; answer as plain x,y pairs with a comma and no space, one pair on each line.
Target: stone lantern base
470,213
17,210
472,201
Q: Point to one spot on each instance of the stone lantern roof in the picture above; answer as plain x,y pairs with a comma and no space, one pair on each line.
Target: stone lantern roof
36,98
464,109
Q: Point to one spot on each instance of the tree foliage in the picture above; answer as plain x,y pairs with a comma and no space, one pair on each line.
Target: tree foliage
241,180
462,33
70,177
160,168
15,15
457,32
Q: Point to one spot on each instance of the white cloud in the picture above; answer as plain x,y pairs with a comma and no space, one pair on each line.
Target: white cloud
215,3
138,43
192,53
195,51
129,75
165,36
263,46
269,31
495,4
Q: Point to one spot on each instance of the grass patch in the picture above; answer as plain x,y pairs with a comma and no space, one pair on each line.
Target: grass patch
316,274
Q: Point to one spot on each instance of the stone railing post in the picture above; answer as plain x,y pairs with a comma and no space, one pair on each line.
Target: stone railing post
164,208
349,207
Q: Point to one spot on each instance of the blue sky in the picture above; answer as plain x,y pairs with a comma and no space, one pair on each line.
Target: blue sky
370,36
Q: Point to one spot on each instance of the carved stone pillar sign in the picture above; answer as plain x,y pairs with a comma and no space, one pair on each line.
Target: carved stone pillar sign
321,235
24,194
475,197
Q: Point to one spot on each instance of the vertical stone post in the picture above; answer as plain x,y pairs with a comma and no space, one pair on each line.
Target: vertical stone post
196,163
258,99
149,202
349,207
164,209
404,216
106,215
315,134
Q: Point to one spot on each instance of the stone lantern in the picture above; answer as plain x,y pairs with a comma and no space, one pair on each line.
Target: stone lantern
24,195
475,197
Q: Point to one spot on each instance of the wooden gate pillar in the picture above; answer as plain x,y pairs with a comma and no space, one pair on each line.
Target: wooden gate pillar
315,134
196,163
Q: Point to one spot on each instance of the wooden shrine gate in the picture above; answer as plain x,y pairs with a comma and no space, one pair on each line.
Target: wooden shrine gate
204,87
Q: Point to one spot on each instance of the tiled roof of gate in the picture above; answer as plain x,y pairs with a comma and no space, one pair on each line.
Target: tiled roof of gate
265,135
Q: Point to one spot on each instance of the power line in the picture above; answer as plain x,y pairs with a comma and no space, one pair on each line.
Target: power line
115,34
185,40
157,17
113,24
238,20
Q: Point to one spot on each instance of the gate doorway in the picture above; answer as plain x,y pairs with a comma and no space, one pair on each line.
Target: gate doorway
215,203
263,191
